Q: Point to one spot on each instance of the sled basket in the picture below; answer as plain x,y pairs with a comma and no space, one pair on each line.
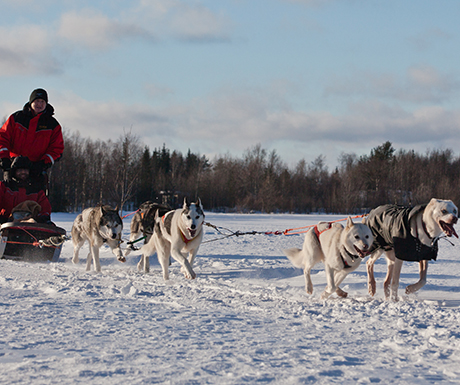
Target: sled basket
31,242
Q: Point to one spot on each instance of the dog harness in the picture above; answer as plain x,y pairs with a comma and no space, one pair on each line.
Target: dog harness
184,238
329,226
318,233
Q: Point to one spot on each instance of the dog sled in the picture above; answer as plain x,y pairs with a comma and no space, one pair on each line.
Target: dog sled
31,242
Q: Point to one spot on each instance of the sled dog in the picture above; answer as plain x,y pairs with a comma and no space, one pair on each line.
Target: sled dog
143,222
177,233
408,234
340,248
97,225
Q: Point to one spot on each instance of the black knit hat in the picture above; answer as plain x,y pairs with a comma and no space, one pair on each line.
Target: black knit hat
39,93
21,162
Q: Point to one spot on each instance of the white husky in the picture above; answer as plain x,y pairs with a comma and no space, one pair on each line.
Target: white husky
97,225
408,234
177,233
341,249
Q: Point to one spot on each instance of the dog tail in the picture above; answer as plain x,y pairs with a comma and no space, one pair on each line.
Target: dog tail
295,255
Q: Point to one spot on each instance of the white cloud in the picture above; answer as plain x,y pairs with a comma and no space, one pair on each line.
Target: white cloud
41,50
182,20
26,50
421,84
94,30
236,121
199,23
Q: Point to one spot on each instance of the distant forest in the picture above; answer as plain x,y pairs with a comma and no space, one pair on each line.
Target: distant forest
124,173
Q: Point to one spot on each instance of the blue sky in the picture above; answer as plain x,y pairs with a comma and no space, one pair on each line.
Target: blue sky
303,77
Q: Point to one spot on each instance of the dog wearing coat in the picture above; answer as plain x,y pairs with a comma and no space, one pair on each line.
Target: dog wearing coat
178,234
340,248
97,225
143,222
408,234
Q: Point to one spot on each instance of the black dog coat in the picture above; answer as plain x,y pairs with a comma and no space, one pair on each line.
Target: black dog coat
390,225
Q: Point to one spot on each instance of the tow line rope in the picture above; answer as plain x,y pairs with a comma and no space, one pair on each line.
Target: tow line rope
227,233
129,214
54,241
291,231
233,233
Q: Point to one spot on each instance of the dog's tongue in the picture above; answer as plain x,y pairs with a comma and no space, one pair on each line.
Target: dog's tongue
449,229
361,253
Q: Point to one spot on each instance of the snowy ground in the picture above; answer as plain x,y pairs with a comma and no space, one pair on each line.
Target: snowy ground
245,319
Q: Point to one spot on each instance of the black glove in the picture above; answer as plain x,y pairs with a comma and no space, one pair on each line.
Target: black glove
38,167
46,166
5,163
44,219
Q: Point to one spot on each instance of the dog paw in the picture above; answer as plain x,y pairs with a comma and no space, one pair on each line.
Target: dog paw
122,259
190,275
341,293
387,292
371,289
411,289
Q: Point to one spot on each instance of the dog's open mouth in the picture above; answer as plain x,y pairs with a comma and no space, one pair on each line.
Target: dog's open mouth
192,233
362,253
448,228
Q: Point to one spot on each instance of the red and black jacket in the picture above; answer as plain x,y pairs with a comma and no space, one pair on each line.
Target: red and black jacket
37,137
12,194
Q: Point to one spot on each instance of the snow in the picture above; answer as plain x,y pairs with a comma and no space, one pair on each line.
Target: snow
246,318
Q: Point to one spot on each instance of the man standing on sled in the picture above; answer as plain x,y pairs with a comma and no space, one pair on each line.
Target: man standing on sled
32,132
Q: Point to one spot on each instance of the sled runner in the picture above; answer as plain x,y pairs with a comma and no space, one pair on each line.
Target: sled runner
31,242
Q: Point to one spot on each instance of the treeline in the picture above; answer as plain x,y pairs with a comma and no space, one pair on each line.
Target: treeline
124,173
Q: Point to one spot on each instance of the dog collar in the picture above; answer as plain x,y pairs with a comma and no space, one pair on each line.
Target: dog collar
352,256
433,240
185,239
425,230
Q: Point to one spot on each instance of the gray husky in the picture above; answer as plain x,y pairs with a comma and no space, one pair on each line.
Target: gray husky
178,233
97,225
341,249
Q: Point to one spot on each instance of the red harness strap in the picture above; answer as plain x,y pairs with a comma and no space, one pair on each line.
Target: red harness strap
318,233
184,238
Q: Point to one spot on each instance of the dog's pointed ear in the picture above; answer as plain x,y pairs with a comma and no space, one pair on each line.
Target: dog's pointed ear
102,209
198,203
349,222
186,204
363,221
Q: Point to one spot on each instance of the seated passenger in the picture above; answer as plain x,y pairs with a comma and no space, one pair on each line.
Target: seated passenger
19,189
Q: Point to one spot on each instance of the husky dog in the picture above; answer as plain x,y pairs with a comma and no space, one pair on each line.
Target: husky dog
143,222
97,225
408,234
341,249
176,233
